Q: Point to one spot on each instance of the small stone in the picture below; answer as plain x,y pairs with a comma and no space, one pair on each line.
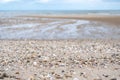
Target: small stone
68,76
54,55
52,72
75,79
62,71
6,69
31,78
45,59
58,77
62,64
81,74
39,56
28,61
80,66
74,72
105,66
48,75
34,63
105,75
113,79
12,76
3,75
97,79
17,73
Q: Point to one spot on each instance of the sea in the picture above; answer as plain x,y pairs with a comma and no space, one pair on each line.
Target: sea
8,13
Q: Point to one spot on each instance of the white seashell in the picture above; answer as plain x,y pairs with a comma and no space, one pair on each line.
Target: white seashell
75,79
54,55
34,63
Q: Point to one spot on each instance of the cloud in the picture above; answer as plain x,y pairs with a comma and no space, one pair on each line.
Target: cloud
7,1
83,1
112,0
59,4
74,1
43,1
63,1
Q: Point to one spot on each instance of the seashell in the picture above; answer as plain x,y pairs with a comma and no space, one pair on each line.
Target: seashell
75,79
34,63
31,78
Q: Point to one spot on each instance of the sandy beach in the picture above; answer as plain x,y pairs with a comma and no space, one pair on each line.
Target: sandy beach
60,60
64,47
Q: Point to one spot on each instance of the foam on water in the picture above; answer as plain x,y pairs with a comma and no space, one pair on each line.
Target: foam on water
30,25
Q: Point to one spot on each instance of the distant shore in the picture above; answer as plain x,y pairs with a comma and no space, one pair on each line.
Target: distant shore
111,19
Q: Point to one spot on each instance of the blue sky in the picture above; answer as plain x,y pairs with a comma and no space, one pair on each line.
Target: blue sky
59,4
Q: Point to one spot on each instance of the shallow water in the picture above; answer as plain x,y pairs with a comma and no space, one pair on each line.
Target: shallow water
47,28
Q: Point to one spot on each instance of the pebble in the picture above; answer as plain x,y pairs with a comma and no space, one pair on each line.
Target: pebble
62,71
31,78
45,59
75,79
97,79
17,73
68,76
58,76
65,66
113,79
74,73
3,75
34,63
54,55
49,76
105,75
81,74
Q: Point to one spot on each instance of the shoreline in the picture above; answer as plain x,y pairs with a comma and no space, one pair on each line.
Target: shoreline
110,19
60,27
60,40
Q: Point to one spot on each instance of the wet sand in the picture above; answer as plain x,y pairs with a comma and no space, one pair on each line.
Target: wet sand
110,19
60,27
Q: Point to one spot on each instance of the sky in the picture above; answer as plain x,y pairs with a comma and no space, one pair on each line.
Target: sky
59,4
